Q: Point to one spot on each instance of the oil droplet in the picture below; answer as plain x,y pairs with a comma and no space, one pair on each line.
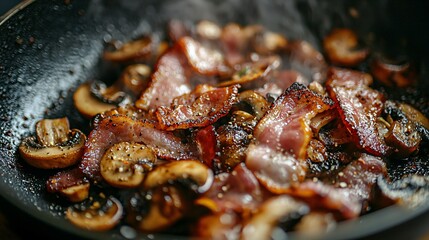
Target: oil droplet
128,232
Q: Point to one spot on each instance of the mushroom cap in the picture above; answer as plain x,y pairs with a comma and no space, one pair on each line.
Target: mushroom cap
97,218
52,157
170,172
125,164
87,104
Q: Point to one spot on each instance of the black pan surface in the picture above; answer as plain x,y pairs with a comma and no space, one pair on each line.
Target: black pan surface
47,48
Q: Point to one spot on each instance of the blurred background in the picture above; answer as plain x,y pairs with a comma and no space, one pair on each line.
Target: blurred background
6,5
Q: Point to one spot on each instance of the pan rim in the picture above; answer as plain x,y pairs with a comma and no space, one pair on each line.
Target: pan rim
70,229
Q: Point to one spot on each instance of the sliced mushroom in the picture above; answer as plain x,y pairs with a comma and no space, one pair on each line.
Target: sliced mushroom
268,42
56,146
316,151
257,103
233,141
341,48
194,171
69,183
141,48
76,193
390,72
277,210
223,225
98,217
125,164
316,223
135,78
168,192
88,104
93,98
250,75
322,119
113,94
208,30
167,205
414,115
404,137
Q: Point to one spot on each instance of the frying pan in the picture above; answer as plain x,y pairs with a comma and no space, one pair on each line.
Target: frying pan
48,48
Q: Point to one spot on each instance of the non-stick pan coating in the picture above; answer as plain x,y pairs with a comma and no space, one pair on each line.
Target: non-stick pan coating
49,47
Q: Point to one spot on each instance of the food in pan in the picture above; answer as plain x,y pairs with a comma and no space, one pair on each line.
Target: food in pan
236,132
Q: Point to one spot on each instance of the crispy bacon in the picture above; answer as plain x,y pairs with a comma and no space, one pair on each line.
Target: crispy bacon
285,127
304,58
169,79
275,170
359,107
117,129
238,191
360,175
65,179
321,196
203,111
204,60
350,192
205,138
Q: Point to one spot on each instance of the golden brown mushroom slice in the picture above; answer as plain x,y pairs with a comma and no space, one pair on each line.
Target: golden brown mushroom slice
192,170
87,104
145,48
76,193
170,189
133,50
168,204
125,164
135,78
400,73
93,98
208,30
56,146
341,48
97,217
414,115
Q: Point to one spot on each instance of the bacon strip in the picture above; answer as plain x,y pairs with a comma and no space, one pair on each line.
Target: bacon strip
204,110
204,60
117,129
320,196
285,127
359,107
360,176
237,191
275,171
205,138
65,179
168,80
351,191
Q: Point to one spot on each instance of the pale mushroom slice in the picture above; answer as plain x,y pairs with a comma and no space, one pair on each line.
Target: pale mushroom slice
56,146
272,212
125,164
98,217
341,46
